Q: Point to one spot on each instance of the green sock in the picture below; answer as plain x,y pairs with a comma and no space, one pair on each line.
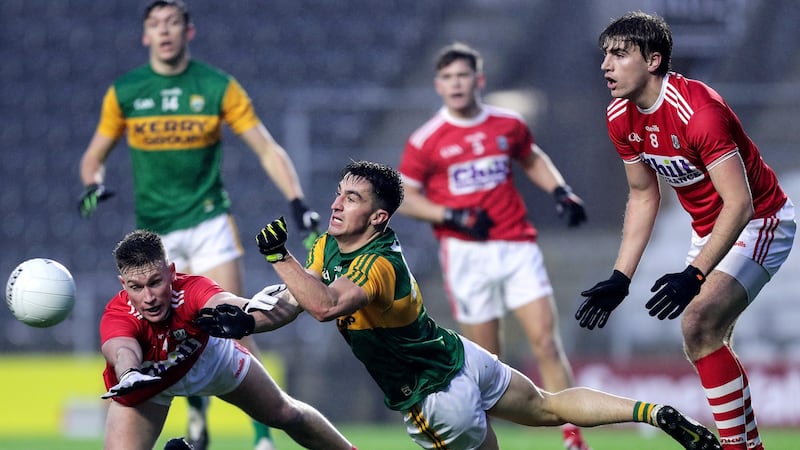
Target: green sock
198,402
262,431
645,412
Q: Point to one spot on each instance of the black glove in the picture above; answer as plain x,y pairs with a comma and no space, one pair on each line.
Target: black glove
272,240
226,321
473,221
306,219
91,196
570,205
129,381
178,444
601,299
675,291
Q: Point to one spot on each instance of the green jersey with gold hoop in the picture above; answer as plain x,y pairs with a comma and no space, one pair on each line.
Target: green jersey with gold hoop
404,350
173,126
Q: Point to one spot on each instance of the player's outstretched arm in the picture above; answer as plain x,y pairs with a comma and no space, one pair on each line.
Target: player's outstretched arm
271,308
323,302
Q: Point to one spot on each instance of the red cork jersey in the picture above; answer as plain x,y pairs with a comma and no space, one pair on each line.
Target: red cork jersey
171,347
681,137
467,163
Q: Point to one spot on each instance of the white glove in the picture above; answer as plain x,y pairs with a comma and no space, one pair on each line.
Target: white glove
268,297
130,380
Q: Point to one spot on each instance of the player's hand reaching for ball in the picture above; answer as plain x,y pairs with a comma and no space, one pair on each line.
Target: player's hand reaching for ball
272,240
129,381
226,321
601,299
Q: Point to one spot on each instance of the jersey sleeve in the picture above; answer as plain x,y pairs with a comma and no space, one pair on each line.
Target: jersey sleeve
616,115
413,165
525,138
112,121
316,257
625,151
237,109
375,274
117,322
198,291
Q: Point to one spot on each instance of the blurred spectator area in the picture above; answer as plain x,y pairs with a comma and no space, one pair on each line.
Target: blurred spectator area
335,81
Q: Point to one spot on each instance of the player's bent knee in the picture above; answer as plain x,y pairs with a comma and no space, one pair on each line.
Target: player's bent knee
289,415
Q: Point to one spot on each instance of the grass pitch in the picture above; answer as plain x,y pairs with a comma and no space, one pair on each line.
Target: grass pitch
392,437
39,414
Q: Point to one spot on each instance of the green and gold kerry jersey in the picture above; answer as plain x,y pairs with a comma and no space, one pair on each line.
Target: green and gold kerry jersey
404,350
173,126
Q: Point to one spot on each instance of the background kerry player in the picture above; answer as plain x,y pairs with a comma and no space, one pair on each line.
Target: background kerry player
172,110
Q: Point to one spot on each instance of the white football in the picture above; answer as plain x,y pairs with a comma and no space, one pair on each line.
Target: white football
40,292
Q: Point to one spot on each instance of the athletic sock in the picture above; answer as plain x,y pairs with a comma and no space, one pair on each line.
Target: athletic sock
728,393
573,440
261,431
646,412
198,402
753,438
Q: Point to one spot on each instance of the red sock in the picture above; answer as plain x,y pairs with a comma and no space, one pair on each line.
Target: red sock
753,438
725,384
573,438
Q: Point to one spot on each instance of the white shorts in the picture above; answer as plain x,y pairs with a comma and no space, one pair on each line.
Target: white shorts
758,253
204,246
220,369
456,417
484,280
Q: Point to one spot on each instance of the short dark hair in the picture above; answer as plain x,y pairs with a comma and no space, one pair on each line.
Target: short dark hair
459,50
179,4
386,182
139,248
649,32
